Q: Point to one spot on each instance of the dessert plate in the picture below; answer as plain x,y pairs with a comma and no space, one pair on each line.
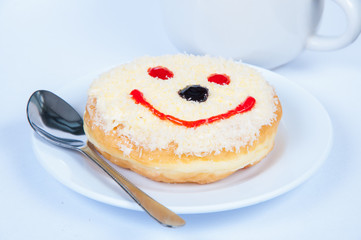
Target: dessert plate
302,144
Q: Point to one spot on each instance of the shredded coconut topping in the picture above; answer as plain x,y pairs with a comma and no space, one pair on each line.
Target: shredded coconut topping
115,107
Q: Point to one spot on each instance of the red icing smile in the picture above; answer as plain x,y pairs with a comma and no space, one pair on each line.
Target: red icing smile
245,106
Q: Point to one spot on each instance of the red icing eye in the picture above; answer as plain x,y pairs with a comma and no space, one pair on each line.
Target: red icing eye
160,72
221,79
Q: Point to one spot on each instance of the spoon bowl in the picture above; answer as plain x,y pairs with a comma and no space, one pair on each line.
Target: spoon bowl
57,122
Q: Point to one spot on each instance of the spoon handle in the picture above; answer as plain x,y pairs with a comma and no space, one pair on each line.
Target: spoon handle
156,210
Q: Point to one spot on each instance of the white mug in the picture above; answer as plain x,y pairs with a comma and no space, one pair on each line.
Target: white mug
267,33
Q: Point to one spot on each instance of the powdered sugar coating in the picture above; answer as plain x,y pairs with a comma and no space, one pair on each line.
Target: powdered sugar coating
115,107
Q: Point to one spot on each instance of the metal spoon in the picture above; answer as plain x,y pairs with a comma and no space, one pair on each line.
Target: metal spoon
56,121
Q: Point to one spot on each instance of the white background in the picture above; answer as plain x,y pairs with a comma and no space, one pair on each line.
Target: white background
47,44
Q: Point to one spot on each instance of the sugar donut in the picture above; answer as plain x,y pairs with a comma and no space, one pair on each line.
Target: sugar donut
182,118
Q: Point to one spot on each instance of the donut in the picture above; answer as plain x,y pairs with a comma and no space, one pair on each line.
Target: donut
182,118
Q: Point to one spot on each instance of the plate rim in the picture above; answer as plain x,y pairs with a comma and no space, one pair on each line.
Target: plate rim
124,203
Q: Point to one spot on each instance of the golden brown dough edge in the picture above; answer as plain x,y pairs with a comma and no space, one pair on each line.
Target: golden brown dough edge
165,166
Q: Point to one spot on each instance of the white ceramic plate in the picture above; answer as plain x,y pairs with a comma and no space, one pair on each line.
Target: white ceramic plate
302,144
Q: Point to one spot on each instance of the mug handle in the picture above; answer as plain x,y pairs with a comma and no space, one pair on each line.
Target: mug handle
352,9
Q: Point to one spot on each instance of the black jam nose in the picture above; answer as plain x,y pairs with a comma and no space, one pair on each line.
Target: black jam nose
194,93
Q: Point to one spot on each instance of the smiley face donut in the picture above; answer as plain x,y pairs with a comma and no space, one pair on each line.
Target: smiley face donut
182,118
